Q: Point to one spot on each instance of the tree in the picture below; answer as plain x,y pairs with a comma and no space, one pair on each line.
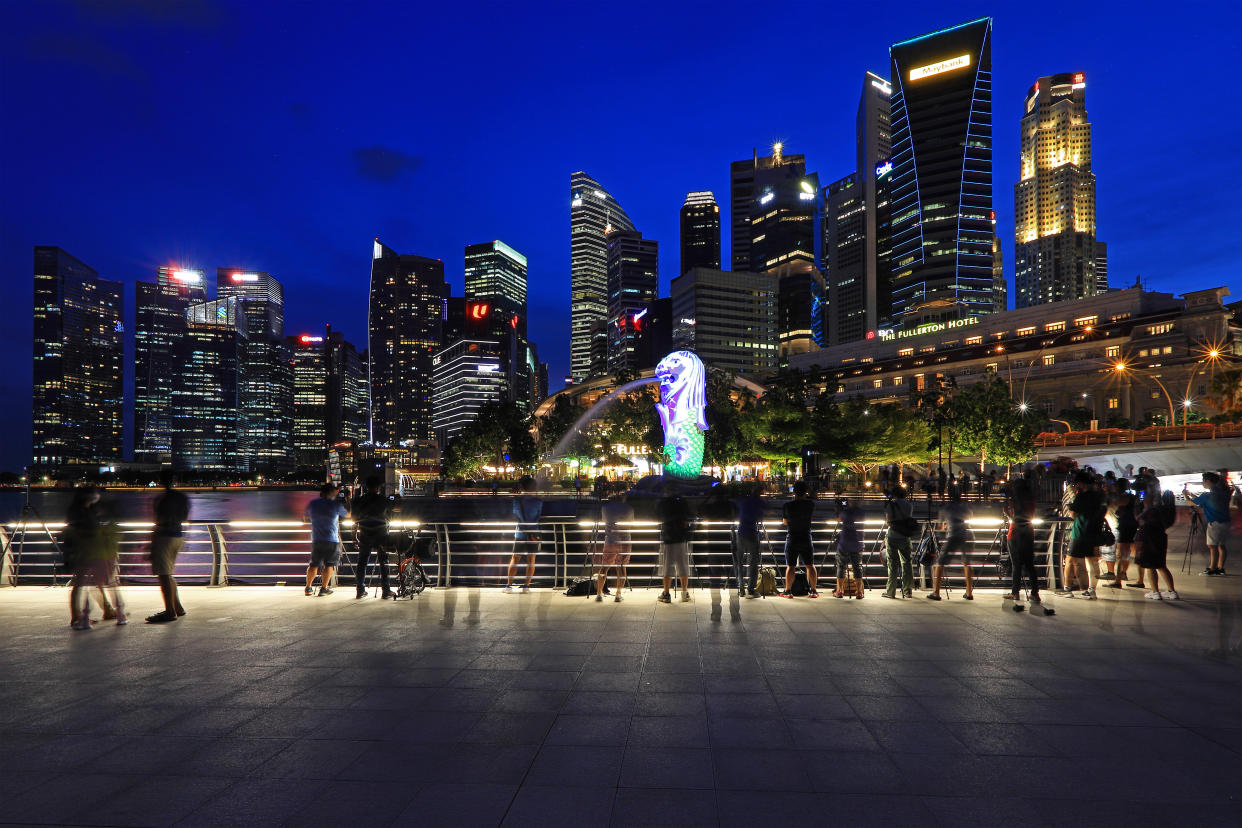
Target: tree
988,424
498,436
1225,392
557,422
778,424
726,441
1078,418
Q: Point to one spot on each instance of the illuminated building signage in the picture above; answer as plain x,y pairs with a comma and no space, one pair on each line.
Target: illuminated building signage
930,327
767,197
883,87
479,310
806,196
192,277
631,451
487,369
245,277
883,169
950,65
307,339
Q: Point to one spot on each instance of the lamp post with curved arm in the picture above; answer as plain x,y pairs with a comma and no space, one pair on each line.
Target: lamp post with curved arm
1212,355
1086,329
1123,369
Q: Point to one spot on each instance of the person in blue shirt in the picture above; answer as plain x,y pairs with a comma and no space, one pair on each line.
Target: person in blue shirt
526,508
746,550
1214,502
324,514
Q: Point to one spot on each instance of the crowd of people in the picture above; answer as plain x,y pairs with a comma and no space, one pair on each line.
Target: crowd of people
1121,523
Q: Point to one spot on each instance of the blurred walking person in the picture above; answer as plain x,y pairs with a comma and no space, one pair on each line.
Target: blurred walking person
617,515
95,543
172,509
527,509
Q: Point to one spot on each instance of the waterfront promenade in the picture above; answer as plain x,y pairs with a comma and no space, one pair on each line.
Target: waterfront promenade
470,707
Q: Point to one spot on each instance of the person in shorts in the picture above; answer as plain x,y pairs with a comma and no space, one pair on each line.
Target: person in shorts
1214,503
796,515
1152,549
526,508
172,509
1087,509
324,514
956,545
616,515
675,533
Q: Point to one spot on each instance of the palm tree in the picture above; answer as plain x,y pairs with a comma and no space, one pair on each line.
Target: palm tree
1225,392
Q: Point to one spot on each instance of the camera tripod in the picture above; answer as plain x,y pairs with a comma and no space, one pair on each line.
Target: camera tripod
18,539
1196,529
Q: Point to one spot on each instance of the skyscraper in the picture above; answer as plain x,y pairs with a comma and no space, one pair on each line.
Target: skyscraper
309,369
593,213
1054,199
744,190
633,284
405,318
856,225
1101,267
466,375
496,273
941,186
78,379
346,397
265,393
207,409
159,326
700,232
728,318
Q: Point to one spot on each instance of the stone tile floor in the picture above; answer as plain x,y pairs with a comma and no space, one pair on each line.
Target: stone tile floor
469,707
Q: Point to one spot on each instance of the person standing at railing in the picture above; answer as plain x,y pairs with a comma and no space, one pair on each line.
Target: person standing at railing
675,534
616,515
797,515
954,515
746,550
901,528
80,525
324,514
1020,509
372,514
1125,520
172,509
526,508
94,539
1087,508
1214,503
720,515
849,544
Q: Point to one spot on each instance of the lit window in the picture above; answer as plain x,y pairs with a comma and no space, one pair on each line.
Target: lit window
1026,331
1086,321
991,367
896,380
1156,330
905,352
1054,326
877,383
1143,352
1167,349
1113,402
1050,359
1112,351
974,340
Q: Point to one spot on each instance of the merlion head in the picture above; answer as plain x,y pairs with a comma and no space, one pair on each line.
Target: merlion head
682,387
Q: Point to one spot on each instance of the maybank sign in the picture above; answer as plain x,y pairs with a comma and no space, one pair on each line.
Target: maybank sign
959,62
930,327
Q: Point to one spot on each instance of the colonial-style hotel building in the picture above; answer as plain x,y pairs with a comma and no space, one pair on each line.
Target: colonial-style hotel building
1129,353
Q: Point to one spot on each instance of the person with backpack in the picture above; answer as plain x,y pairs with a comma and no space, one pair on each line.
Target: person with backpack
1152,541
901,528
746,549
1087,509
1213,502
849,545
954,516
372,513
527,509
796,515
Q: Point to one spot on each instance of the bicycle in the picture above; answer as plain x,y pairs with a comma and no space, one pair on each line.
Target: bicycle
412,579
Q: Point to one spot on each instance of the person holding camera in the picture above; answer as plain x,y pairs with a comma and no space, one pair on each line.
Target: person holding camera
796,515
324,514
372,513
901,528
527,508
956,543
849,543
1087,509
1214,503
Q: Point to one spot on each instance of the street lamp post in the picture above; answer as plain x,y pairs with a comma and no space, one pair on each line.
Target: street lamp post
1126,370
1210,356
1040,355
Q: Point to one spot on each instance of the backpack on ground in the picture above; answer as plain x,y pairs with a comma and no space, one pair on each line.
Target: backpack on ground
580,587
767,581
801,586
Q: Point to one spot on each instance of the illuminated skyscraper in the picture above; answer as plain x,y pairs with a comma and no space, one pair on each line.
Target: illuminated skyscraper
466,375
159,326
405,318
941,186
208,417
744,189
1101,267
728,318
309,369
856,226
78,379
593,213
265,298
496,299
1054,199
346,398
633,284
700,232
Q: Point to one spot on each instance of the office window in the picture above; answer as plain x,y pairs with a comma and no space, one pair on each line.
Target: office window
1027,331
1155,330
1114,403
974,340
904,352
896,380
1085,321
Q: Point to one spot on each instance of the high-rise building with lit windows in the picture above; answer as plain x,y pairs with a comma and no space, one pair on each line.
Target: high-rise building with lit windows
405,327
309,371
728,318
465,376
159,326
78,378
633,284
496,274
1101,267
1054,199
264,295
747,179
208,412
700,232
941,181
593,214
856,225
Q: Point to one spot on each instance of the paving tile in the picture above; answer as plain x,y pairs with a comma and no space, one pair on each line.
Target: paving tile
664,767
550,807
576,766
641,807
589,730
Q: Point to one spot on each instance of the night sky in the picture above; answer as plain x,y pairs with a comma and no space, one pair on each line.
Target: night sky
284,137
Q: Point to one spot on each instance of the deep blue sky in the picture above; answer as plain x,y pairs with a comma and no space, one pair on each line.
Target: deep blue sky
284,137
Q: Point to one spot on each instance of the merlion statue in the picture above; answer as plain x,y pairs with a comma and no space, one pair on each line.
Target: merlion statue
683,397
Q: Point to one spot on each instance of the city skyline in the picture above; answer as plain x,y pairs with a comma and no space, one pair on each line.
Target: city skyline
1149,198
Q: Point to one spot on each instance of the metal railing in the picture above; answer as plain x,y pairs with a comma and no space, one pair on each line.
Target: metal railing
1153,434
476,553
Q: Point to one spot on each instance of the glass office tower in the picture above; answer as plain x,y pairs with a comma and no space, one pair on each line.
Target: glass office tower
593,214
